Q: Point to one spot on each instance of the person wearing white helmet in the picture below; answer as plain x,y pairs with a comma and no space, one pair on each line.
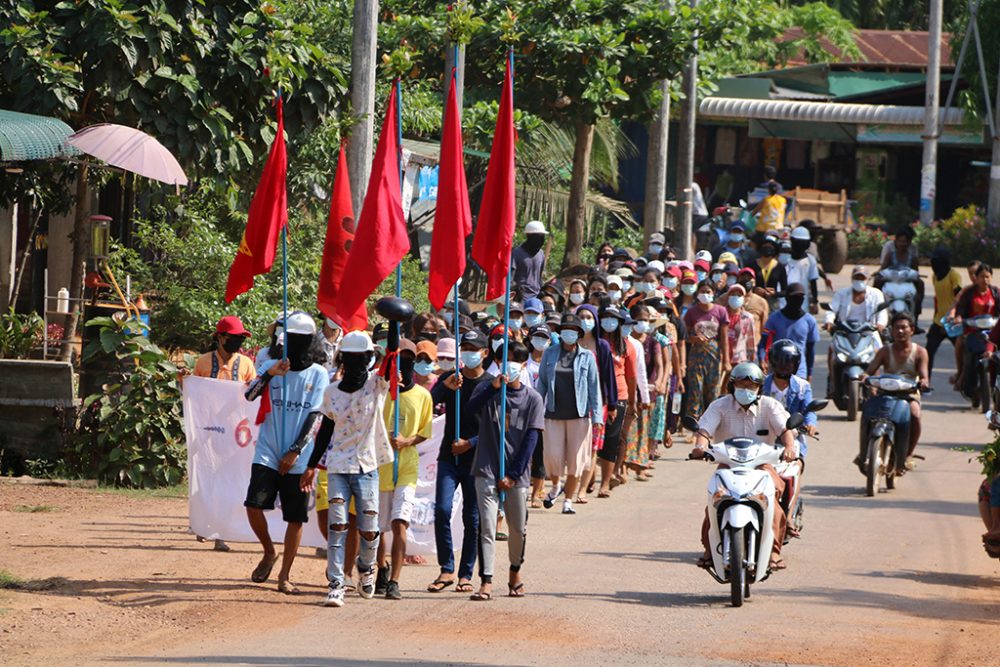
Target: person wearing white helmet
744,412
351,444
528,260
803,267
294,388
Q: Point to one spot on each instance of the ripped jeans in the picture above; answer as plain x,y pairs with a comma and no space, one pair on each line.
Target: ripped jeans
363,488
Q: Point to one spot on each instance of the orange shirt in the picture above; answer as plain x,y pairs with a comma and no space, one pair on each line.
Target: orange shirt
210,365
625,367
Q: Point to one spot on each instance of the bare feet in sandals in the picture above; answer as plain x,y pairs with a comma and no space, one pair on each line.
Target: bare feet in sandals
464,586
484,593
261,573
287,587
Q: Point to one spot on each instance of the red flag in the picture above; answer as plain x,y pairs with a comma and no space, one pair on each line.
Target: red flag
268,215
340,228
494,238
453,217
380,241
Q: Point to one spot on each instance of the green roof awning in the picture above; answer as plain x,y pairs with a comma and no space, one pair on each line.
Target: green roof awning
25,136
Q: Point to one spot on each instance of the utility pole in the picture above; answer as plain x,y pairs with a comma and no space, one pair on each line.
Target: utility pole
653,215
932,103
450,61
363,66
993,202
685,157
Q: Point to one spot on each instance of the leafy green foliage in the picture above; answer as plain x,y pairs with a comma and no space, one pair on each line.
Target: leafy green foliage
967,233
131,434
989,458
19,334
865,243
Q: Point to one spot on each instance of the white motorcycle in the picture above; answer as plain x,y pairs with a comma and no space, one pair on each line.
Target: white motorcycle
741,510
899,287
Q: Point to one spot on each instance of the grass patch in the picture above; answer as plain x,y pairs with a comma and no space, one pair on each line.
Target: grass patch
175,491
9,581
35,509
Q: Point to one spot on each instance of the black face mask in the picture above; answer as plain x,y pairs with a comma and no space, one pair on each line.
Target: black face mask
941,267
298,351
799,248
232,344
355,367
533,243
423,335
406,371
793,308
748,285
768,251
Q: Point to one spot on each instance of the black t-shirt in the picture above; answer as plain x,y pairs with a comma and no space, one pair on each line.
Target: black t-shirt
469,424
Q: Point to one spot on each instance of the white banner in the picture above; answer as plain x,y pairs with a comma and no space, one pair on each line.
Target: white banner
220,431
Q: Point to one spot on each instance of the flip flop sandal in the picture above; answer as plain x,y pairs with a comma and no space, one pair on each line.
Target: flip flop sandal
580,500
261,573
591,487
439,585
777,565
536,504
288,588
481,597
604,494
615,483
464,587
705,562
501,537
515,591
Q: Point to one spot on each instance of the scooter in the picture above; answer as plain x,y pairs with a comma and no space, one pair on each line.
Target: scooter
791,473
976,378
885,428
741,510
899,286
854,347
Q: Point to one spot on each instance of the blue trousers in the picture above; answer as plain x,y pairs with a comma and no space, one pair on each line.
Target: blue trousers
449,478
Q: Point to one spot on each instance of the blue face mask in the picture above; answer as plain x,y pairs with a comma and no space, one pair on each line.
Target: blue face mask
745,397
626,329
588,325
626,285
735,302
570,336
384,343
424,368
701,275
533,320
670,283
515,323
471,359
609,324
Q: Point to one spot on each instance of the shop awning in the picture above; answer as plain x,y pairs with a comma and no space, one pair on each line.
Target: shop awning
25,136
820,112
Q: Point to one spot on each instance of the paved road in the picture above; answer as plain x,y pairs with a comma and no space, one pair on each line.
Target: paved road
895,579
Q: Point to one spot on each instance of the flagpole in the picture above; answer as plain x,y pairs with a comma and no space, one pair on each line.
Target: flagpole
454,317
284,309
399,267
506,329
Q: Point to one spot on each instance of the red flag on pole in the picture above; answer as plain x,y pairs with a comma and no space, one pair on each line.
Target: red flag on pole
381,240
453,217
494,238
268,215
340,227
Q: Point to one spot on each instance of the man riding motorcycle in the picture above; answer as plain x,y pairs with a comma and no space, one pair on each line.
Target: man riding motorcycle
905,358
859,303
745,413
795,394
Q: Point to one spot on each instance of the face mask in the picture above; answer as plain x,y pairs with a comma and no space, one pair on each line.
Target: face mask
516,323
615,295
716,277
642,327
795,303
654,249
588,326
513,369
689,289
472,359
735,302
768,252
736,238
446,365
540,344
425,335
745,397
576,298
626,285
569,336
670,283
233,344
784,258
356,366
406,368
533,320
859,285
748,285
705,297
384,343
298,351
700,275
627,329
424,368
609,324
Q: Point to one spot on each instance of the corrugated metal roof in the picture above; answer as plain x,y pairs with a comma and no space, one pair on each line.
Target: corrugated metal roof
885,47
821,112
25,136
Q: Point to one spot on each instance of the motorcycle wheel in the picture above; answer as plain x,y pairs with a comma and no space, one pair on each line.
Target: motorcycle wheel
984,389
737,567
871,484
852,401
889,461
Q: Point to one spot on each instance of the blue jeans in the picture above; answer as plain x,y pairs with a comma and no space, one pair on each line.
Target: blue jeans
449,478
363,487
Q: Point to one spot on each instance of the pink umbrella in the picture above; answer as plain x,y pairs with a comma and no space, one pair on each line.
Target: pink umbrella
131,150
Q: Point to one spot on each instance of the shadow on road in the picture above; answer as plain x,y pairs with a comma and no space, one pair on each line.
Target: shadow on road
684,557
951,579
936,608
267,661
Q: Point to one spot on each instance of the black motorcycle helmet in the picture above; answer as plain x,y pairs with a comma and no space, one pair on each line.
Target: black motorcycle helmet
784,358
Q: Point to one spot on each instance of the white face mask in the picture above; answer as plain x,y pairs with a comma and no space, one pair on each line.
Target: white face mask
540,343
513,369
615,295
670,283
689,289
626,285
576,298
446,365
642,327
859,285
784,258
705,297
735,302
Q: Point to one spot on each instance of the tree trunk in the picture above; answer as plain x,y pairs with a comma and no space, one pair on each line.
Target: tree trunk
683,236
81,250
656,166
458,63
579,184
23,263
993,201
363,51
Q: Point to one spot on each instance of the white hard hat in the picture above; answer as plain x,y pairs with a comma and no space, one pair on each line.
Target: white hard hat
300,323
801,234
356,341
535,227
703,255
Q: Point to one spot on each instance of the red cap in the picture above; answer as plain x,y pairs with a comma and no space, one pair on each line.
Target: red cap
746,271
703,265
674,271
231,325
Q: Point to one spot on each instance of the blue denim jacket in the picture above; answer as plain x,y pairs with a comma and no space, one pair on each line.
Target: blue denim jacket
798,396
588,389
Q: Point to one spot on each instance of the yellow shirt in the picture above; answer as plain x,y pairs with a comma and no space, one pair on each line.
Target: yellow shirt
944,293
210,365
772,213
416,417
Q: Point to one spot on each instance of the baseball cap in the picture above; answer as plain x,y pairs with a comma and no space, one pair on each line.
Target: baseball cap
535,227
571,320
516,307
539,330
446,348
300,323
703,265
231,326
356,341
689,276
406,345
746,271
615,280
657,237
795,289
533,305
728,258
859,271
475,339
657,265
703,256
428,348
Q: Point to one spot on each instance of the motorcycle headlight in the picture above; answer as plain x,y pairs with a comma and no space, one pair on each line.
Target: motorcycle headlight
867,352
723,494
842,357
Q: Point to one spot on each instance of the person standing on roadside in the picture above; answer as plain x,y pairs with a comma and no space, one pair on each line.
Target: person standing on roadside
528,260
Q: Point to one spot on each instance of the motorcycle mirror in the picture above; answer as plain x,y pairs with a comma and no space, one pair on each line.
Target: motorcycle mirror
825,306
795,421
690,423
816,406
